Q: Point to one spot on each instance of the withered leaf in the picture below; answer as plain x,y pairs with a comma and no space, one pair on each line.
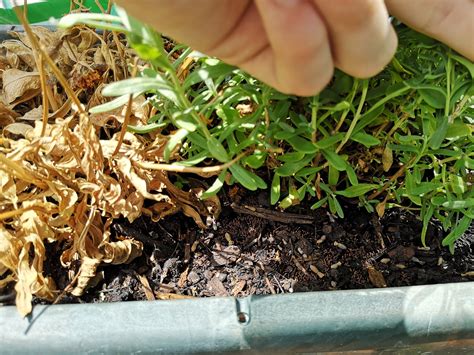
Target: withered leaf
18,128
387,159
86,273
17,82
16,51
66,184
380,208
7,115
121,252
35,114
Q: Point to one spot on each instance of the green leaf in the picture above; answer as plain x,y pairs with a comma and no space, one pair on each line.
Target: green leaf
458,130
292,198
302,145
458,231
342,106
459,204
185,120
134,86
426,221
434,97
100,21
217,150
335,160
216,186
351,175
440,133
292,157
141,85
289,168
467,162
467,63
256,160
333,176
306,172
229,114
423,188
247,179
328,142
175,139
320,203
457,184
335,206
113,104
357,190
147,128
146,52
208,72
370,116
438,200
285,135
365,139
276,190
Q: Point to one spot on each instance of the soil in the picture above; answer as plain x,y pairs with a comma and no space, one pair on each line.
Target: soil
253,249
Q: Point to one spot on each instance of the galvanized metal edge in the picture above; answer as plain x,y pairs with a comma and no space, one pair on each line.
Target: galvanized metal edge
394,318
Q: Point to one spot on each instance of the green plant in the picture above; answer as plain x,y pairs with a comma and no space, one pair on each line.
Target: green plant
401,139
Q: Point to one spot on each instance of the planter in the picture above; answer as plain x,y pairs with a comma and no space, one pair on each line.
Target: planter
415,319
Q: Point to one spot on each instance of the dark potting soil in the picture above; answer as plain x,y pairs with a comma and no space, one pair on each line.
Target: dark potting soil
253,249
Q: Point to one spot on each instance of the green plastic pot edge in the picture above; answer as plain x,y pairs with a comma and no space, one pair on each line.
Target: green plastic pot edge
43,11
399,319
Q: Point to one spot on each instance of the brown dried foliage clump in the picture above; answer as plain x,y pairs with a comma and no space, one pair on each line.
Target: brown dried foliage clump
61,179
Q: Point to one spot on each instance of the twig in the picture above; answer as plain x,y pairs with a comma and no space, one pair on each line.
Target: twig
398,174
66,289
39,64
150,296
281,217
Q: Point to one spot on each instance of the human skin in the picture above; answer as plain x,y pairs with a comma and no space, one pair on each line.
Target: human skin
294,45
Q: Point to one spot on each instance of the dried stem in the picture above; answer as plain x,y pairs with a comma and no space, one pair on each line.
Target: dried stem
128,113
44,96
398,174
202,171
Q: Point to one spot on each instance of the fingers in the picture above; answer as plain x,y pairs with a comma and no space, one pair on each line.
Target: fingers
362,39
299,56
202,25
451,22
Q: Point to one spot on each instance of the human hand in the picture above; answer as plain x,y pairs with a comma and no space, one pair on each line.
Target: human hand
451,22
294,45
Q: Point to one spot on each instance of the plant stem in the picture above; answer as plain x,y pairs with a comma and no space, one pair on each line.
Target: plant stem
314,117
365,88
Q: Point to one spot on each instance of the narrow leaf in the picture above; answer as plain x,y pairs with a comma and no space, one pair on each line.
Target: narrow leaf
217,150
365,139
334,159
175,139
358,190
216,186
276,189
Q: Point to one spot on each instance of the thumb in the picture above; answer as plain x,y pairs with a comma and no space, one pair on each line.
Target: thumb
451,22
